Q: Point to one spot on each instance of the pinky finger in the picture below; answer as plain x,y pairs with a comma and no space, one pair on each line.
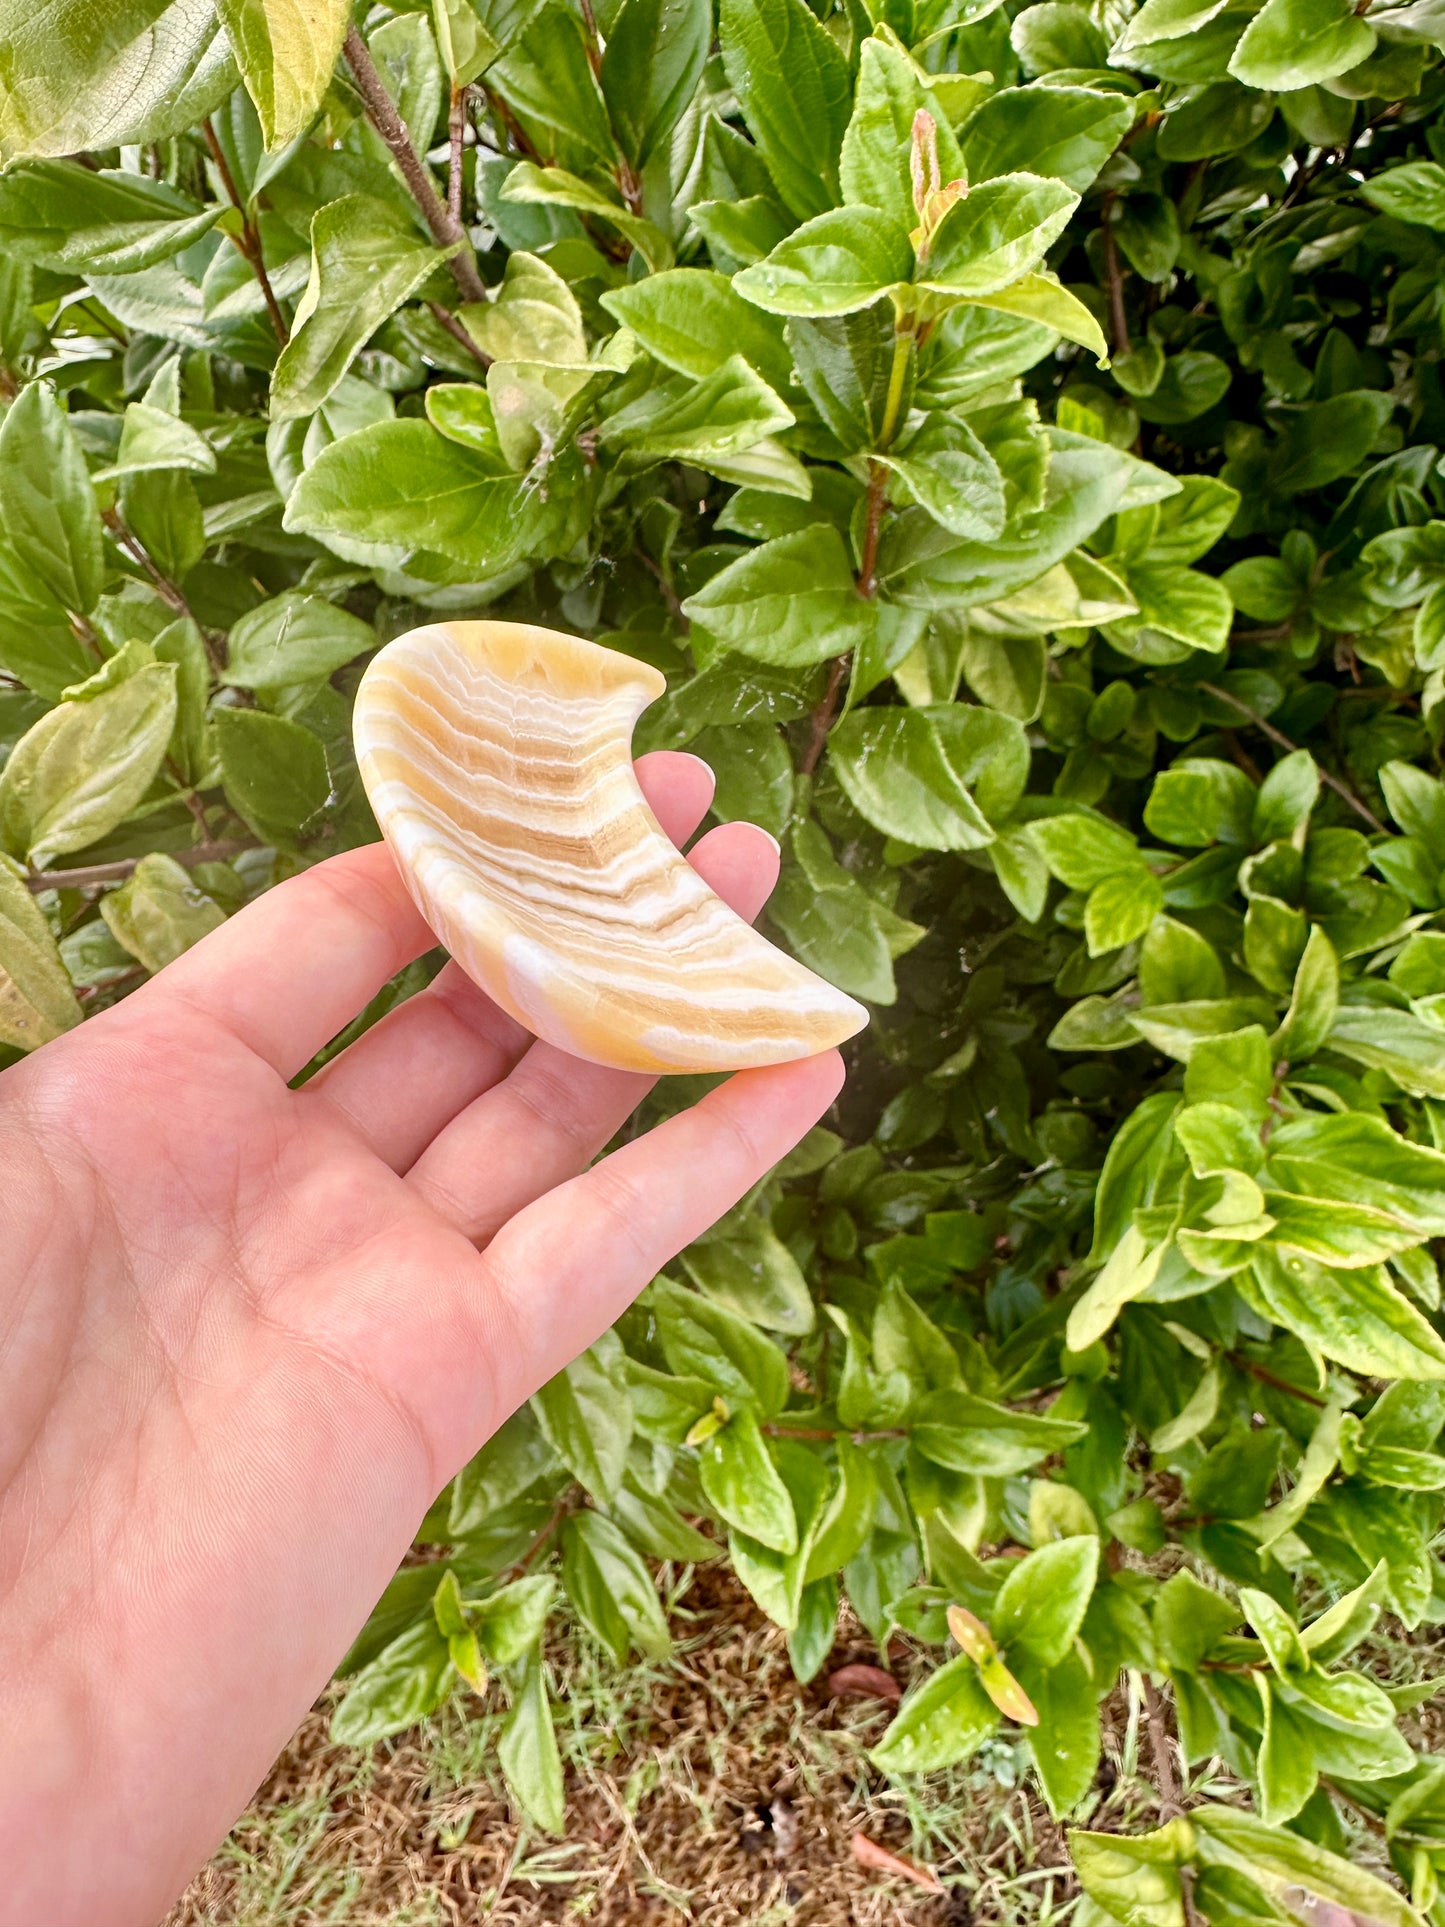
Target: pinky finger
570,1263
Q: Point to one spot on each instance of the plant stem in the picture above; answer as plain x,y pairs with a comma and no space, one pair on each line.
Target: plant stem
1278,736
248,243
1269,1378
456,128
445,319
823,715
903,340
1165,1780
445,227
1114,276
97,873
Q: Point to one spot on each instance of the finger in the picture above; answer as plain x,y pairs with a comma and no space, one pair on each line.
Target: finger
551,1117
563,1270
404,1081
290,970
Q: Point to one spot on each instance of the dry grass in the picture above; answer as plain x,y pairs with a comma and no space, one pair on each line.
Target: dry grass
711,1789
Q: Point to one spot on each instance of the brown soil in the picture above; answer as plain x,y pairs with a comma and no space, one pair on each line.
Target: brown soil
711,1789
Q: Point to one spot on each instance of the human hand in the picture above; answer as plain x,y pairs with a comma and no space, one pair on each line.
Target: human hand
248,1333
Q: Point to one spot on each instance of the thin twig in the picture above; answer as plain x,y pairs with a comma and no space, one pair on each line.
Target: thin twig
137,551
823,715
868,564
669,594
1166,1781
1267,1377
248,242
1278,736
1114,279
446,319
456,128
445,227
97,873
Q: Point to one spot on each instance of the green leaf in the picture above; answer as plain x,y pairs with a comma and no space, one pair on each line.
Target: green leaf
401,487
999,232
1135,1879
404,1683
70,80
946,469
36,1000
1040,1607
970,1434
1298,43
555,187
941,1721
533,316
612,1589
527,1753
837,262
512,1619
792,602
697,421
1042,298
1355,1317
1198,800
73,218
293,638
159,912
275,774
704,1340
792,84
286,50
1403,1046
509,1464
1065,1740
656,51
1286,797
1282,1863
1120,909
928,775
743,1485
47,505
85,766
1083,850
366,259
1414,192
1066,133
585,1415
692,320
152,439
875,168
1417,803
753,1273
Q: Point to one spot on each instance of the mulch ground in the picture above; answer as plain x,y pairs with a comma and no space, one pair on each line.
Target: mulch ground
712,1789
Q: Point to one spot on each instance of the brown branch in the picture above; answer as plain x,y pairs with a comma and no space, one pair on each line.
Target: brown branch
669,594
565,1504
446,228
512,128
248,242
1267,1377
94,874
594,46
136,550
868,565
1278,736
823,715
456,128
445,319
1114,280
1166,1781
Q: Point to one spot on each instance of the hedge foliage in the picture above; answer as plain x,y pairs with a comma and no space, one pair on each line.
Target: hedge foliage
1015,431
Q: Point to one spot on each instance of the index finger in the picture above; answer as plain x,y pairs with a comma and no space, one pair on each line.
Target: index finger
285,974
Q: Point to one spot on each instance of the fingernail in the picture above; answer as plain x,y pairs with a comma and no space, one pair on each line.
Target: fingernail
706,768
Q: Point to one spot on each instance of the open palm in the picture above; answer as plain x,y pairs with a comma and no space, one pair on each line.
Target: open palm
247,1333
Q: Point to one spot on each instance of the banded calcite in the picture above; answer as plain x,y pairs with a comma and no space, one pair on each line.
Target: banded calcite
497,757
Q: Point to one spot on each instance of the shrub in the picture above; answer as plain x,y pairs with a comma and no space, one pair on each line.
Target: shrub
1054,567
